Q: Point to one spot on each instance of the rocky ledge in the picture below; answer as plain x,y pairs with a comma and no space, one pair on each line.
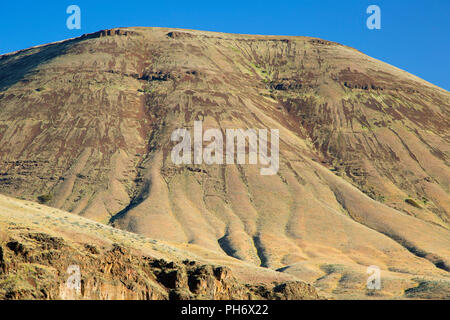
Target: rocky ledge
34,265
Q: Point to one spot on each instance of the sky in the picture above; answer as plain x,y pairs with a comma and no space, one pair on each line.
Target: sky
414,35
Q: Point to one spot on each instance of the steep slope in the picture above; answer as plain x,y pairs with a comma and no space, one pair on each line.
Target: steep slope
85,126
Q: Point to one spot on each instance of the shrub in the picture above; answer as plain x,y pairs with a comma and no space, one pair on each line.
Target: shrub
44,198
413,203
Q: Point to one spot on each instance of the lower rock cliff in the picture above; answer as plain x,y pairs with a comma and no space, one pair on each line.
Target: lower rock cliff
36,265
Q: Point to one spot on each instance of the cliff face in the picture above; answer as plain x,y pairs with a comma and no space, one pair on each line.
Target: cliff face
85,126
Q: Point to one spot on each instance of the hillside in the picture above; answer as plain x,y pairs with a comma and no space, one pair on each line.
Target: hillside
38,244
85,126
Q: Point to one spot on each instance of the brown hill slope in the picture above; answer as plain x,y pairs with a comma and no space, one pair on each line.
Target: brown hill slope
85,125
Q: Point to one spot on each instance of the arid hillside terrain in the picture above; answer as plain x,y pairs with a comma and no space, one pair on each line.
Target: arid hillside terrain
364,179
38,245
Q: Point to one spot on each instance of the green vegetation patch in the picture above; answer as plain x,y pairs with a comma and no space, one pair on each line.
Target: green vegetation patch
413,203
44,198
429,289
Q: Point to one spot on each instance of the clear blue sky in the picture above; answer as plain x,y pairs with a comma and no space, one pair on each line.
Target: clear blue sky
414,35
